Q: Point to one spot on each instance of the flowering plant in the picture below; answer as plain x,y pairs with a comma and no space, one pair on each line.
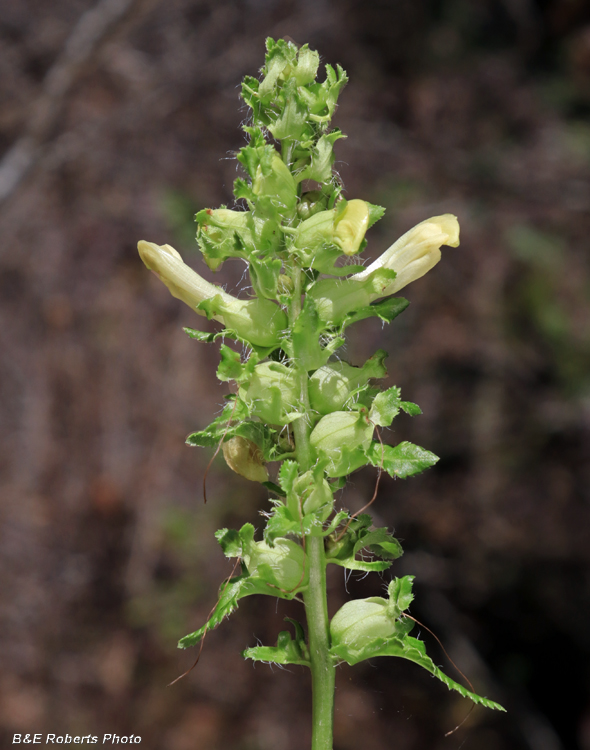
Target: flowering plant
296,403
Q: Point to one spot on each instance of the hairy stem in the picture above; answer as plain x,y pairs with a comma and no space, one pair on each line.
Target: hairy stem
323,672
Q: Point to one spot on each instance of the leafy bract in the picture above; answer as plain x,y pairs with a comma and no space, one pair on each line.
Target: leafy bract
386,309
233,422
305,338
385,407
209,338
231,366
229,594
337,299
403,460
287,651
282,522
414,650
367,628
410,408
280,566
277,571
358,537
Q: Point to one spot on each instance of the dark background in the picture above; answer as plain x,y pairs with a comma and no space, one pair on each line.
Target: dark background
120,132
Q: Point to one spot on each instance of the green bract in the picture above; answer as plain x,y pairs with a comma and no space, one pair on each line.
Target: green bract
340,440
292,402
271,393
336,385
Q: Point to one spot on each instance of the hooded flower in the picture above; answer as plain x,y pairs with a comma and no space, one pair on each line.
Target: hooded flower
406,260
259,321
416,252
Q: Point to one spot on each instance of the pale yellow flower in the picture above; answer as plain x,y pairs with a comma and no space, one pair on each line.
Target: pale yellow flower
416,252
258,321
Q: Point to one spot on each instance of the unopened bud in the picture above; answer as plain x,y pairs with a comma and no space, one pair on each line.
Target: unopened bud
278,184
331,385
359,622
351,225
245,458
271,393
315,494
341,439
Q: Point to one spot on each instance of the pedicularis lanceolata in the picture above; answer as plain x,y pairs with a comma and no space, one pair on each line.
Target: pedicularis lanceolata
295,403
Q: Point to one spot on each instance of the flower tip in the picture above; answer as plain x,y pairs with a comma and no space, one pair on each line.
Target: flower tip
145,251
150,253
449,225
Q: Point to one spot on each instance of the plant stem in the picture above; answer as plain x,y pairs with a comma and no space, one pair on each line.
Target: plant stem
323,671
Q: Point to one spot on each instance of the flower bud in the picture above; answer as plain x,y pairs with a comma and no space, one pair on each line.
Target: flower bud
278,185
271,393
330,386
281,565
245,458
311,203
314,494
341,439
216,235
359,622
407,260
351,225
326,235
416,252
258,321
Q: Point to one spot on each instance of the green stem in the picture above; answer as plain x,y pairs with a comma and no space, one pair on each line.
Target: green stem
323,671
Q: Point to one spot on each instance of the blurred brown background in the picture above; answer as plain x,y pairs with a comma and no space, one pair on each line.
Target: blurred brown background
118,120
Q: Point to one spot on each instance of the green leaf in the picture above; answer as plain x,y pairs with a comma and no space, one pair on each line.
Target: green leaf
279,567
307,66
231,367
233,422
403,460
413,650
272,487
322,159
366,628
204,336
230,593
358,537
400,594
287,475
386,406
287,651
410,408
230,541
386,309
264,274
283,522
280,54
306,332
375,213
290,123
209,338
